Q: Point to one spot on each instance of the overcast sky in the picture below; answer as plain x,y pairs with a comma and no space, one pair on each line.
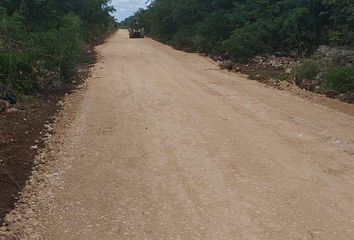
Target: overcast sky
126,8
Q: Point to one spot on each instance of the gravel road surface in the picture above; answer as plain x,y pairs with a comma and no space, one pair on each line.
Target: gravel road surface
163,145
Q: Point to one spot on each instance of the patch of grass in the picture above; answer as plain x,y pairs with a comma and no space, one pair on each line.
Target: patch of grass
307,70
339,78
284,76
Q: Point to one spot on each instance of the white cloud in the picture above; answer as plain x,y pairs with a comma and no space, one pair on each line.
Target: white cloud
126,8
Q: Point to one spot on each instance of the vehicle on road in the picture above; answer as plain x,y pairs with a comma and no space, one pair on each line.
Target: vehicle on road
136,29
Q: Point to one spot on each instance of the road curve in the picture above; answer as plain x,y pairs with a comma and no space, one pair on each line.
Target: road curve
164,145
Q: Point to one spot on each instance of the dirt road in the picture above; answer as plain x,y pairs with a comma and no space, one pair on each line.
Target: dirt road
163,145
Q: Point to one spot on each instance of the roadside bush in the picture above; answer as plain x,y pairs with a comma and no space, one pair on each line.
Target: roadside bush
284,77
307,70
15,62
341,14
44,40
340,79
212,31
244,28
185,39
249,40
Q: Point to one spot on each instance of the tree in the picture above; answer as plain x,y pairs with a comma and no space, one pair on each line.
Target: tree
243,28
45,39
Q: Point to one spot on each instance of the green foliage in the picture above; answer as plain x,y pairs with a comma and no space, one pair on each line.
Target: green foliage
15,64
183,40
249,40
244,28
341,26
45,39
307,70
284,76
340,78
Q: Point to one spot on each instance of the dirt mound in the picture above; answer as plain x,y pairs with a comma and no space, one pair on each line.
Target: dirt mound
20,130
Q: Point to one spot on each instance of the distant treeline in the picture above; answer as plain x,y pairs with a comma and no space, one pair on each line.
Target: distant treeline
42,40
243,28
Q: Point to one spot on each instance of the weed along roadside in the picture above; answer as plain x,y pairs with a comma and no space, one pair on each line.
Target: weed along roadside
328,72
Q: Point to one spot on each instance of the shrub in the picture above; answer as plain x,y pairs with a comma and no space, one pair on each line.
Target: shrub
307,70
340,79
284,77
42,41
185,38
249,40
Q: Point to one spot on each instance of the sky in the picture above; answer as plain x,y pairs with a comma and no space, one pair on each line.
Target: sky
126,8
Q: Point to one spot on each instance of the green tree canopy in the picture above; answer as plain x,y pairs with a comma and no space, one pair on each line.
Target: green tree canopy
243,28
44,39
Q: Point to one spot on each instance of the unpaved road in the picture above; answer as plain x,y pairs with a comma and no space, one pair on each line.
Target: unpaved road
165,146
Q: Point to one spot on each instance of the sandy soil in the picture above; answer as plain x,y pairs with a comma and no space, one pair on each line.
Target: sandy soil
163,145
